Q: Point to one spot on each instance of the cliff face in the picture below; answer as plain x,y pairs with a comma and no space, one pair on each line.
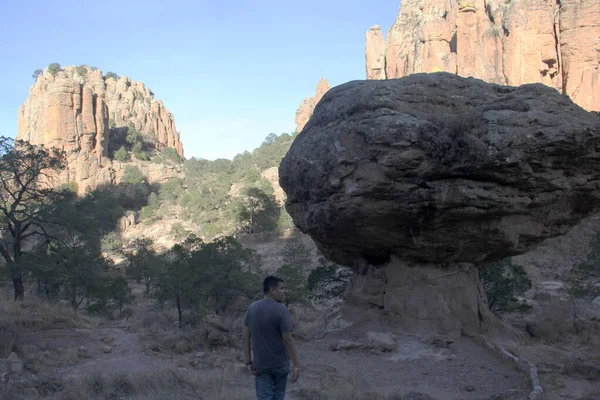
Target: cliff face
307,105
76,110
514,42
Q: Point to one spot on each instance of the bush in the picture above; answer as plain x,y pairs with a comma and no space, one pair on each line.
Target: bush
502,282
54,68
111,75
121,154
132,175
82,71
170,154
37,73
111,243
70,186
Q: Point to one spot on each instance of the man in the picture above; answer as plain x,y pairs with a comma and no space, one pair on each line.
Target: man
267,335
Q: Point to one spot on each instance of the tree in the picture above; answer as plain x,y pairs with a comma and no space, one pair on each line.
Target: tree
501,283
202,277
70,265
111,75
144,263
54,68
25,191
257,210
296,259
121,154
132,175
37,73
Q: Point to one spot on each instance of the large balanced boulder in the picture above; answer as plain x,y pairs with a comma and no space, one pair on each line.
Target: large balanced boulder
432,175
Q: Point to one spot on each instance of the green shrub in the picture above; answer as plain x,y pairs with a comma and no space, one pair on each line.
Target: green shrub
54,68
82,71
132,175
122,155
37,73
70,186
502,282
171,154
111,75
111,243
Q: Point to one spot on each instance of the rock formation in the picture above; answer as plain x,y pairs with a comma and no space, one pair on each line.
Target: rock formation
77,109
416,182
307,105
556,43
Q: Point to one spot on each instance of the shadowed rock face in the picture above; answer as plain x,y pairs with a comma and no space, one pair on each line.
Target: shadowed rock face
438,170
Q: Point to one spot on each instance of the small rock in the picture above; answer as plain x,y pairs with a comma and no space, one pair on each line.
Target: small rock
470,388
345,345
107,349
200,354
108,339
596,301
217,322
216,338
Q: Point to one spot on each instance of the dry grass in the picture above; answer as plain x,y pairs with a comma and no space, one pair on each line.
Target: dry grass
168,383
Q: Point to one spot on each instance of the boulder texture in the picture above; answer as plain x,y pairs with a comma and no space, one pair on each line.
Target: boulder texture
307,106
556,43
77,108
414,182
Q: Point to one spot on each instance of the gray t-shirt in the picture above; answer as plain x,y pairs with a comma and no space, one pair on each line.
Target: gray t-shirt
267,320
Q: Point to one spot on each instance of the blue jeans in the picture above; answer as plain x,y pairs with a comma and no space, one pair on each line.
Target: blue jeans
271,383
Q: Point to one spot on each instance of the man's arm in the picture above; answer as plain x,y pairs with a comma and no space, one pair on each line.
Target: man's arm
247,345
291,349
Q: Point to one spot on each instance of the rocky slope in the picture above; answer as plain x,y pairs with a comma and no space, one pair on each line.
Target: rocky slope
307,106
77,110
556,43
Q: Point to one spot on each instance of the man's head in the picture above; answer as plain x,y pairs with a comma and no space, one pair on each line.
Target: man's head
274,288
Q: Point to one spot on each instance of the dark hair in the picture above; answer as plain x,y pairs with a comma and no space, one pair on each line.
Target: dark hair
270,282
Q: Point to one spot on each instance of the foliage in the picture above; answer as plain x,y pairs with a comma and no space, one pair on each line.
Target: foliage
111,243
81,71
203,277
171,190
328,280
256,210
132,175
37,73
121,154
502,282
296,260
149,210
143,262
178,231
210,192
584,278
112,75
71,266
171,154
70,186
54,68
25,192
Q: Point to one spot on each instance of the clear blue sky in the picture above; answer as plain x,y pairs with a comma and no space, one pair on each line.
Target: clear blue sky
231,72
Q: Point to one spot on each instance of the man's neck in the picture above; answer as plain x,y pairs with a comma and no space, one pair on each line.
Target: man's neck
270,297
